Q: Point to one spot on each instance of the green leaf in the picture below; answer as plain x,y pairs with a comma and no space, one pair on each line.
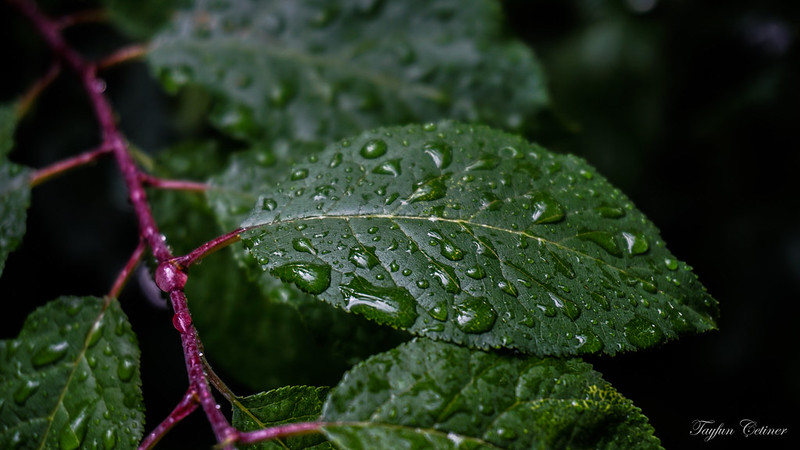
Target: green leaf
71,379
142,18
15,197
427,394
281,406
474,236
269,324
318,71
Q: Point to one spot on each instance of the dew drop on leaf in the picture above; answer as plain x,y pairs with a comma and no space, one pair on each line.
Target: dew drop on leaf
427,190
303,245
310,278
392,306
126,368
671,263
446,277
484,162
268,204
440,152
508,288
389,167
25,390
635,244
439,311
476,273
474,314
363,257
374,148
50,353
545,208
604,240
642,332
610,212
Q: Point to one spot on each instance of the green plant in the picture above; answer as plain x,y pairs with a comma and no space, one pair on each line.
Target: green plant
506,261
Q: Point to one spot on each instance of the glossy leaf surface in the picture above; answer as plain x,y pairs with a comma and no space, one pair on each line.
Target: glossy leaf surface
71,379
15,191
318,71
475,236
428,394
281,406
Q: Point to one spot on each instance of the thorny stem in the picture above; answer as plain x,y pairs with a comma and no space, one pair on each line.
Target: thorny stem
33,93
46,173
199,391
123,276
178,185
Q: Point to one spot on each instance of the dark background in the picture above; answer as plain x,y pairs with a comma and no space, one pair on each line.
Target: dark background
691,108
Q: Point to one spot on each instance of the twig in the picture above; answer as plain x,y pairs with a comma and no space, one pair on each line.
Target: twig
33,93
90,16
125,274
178,185
186,406
208,248
40,176
290,429
122,55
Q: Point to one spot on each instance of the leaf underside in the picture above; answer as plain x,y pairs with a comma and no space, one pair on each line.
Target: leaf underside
473,236
281,406
319,71
15,190
428,394
71,379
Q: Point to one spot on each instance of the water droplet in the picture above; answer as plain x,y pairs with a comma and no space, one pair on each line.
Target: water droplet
440,152
182,321
602,300
429,127
126,368
389,167
439,311
508,288
374,148
169,277
446,277
545,208
476,273
335,161
571,310
392,306
604,239
25,390
610,212
446,247
427,190
71,436
50,353
635,244
109,438
562,266
642,332
484,162
303,245
406,272
310,278
672,264
474,314
423,284
299,174
363,257
588,342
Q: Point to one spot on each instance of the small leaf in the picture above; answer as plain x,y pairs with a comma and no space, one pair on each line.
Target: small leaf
427,394
15,190
71,379
499,244
281,406
318,71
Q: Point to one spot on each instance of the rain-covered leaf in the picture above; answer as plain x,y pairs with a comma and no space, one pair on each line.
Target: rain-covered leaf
281,406
281,335
142,18
71,379
318,71
15,190
475,236
428,394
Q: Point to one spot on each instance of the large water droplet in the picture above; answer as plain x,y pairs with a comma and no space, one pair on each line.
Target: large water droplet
642,332
126,368
389,167
110,438
635,244
545,208
671,263
604,239
474,314
610,212
440,152
363,257
446,247
392,306
374,148
310,278
182,322
303,245
562,266
439,311
446,277
571,310
484,162
169,277
476,273
588,342
25,390
427,190
71,436
50,353
299,174
508,288
602,300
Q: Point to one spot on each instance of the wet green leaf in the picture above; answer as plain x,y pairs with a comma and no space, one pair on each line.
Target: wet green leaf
428,394
142,18
71,379
15,190
318,71
281,406
474,236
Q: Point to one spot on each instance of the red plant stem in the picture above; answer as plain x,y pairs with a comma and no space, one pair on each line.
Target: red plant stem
178,185
40,176
93,15
122,55
208,248
148,231
33,93
186,406
123,276
290,429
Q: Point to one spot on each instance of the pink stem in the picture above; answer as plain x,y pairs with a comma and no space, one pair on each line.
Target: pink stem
186,406
94,15
40,176
122,55
179,185
148,230
208,248
290,429
33,93
123,276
